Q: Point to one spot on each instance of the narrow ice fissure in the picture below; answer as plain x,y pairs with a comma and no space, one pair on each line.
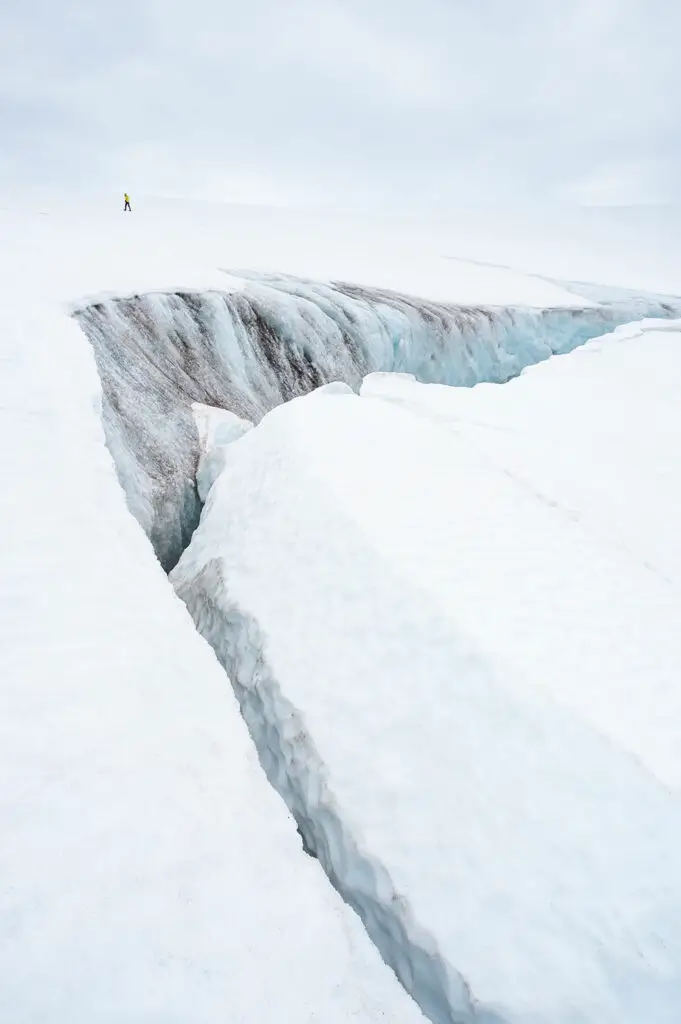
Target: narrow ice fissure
295,768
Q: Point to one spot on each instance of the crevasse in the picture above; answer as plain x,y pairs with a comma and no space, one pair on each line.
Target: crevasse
280,337
294,767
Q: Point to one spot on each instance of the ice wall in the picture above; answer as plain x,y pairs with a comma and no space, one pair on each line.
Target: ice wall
249,350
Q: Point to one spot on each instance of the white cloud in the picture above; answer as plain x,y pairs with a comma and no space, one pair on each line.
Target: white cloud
348,101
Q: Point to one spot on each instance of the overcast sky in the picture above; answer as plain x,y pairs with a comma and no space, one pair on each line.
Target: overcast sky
356,103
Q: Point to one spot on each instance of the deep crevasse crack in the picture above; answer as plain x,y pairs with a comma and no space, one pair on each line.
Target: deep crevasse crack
280,338
294,767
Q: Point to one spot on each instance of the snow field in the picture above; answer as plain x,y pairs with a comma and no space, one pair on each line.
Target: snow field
148,872
477,255
586,442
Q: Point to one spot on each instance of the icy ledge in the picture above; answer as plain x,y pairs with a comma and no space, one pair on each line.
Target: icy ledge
296,770
276,338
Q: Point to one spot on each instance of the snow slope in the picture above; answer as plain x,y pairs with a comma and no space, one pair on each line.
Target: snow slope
593,438
452,620
147,870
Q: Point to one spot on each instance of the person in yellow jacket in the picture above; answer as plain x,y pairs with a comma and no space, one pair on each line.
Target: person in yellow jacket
127,203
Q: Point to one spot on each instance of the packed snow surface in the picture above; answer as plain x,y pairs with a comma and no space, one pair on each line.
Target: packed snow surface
474,254
593,438
452,618
148,872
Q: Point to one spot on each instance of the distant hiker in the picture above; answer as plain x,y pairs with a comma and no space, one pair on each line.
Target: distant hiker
127,203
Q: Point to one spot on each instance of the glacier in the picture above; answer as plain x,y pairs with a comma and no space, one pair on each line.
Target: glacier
276,337
447,610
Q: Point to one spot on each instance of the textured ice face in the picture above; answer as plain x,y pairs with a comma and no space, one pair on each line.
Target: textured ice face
249,351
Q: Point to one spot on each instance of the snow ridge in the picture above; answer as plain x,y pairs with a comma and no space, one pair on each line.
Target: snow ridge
279,337
294,767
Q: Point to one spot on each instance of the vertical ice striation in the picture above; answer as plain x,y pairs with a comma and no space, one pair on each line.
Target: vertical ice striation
281,337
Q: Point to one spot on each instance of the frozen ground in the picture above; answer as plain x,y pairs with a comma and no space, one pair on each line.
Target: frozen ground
452,618
496,817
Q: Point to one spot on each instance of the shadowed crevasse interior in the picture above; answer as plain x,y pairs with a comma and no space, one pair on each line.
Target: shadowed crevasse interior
279,337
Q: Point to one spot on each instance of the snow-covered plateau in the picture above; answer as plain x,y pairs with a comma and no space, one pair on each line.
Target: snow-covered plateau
422,620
